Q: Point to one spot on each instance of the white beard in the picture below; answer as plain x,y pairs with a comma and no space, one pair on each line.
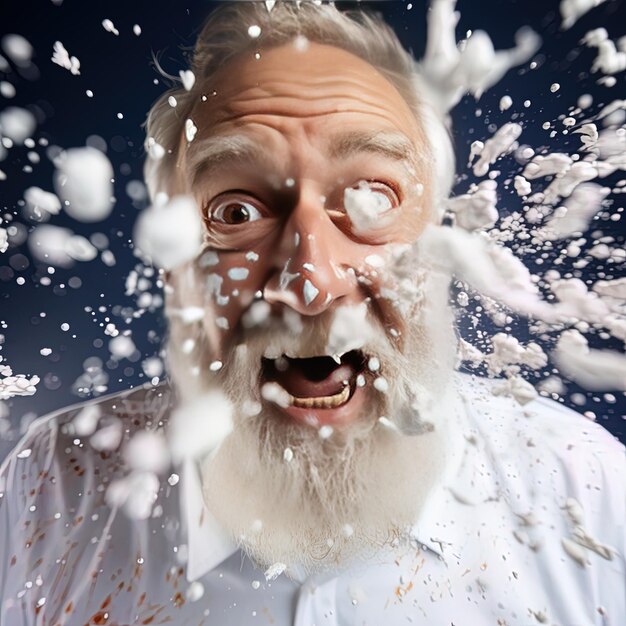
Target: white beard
347,496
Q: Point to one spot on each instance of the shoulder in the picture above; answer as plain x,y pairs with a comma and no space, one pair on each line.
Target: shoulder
62,451
556,429
53,505
548,457
84,421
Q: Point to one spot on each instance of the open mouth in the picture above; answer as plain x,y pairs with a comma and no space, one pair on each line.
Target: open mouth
318,382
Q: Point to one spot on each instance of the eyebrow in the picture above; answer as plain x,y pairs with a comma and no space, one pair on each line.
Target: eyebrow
211,153
392,145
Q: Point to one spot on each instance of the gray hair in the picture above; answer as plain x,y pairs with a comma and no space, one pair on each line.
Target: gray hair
225,36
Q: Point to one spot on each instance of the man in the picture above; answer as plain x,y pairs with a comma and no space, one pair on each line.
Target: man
330,467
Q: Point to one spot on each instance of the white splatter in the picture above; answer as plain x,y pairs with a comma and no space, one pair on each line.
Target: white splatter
17,124
476,209
188,78
170,234
61,57
366,207
591,368
83,181
12,385
274,571
42,203
199,427
502,141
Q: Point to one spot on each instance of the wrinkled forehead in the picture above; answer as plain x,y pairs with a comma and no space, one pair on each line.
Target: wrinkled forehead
299,83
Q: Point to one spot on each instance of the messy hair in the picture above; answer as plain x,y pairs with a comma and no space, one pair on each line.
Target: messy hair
225,36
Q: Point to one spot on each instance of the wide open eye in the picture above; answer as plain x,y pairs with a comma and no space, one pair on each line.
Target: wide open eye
233,211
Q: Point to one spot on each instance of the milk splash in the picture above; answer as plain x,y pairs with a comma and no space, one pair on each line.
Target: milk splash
563,195
507,266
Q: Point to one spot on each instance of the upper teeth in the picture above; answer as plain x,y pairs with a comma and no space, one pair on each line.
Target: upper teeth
322,402
277,394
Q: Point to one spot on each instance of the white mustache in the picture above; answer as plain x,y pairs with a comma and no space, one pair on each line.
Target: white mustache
346,328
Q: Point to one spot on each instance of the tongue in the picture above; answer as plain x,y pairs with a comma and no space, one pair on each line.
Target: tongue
297,383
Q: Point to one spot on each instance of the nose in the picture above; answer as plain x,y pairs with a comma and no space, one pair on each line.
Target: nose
313,269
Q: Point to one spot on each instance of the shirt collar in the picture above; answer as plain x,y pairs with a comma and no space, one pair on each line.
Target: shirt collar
208,544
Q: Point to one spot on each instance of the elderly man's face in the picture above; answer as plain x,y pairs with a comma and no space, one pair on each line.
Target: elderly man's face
310,168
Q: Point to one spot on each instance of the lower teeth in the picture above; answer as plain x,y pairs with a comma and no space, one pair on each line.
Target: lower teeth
323,402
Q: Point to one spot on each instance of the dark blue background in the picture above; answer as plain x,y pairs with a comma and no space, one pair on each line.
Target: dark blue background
120,72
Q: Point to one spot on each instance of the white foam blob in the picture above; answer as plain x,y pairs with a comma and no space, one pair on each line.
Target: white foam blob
199,427
17,124
83,181
18,49
60,246
42,203
147,451
122,347
61,57
170,234
591,368
502,141
476,209
366,207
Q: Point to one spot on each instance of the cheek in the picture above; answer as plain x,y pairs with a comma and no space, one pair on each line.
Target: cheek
231,286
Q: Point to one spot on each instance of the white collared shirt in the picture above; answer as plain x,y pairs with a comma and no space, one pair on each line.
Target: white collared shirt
525,527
